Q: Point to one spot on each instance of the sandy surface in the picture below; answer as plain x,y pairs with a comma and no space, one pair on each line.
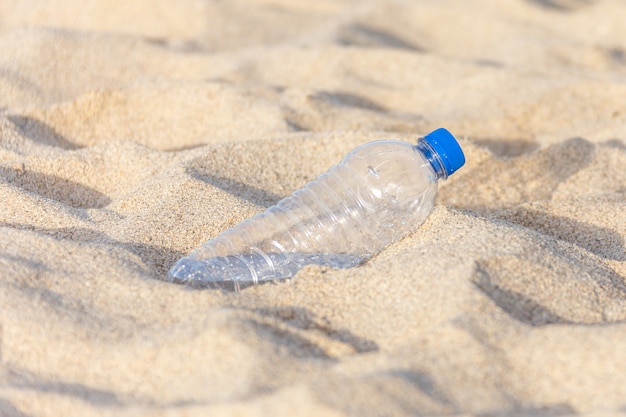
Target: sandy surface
132,132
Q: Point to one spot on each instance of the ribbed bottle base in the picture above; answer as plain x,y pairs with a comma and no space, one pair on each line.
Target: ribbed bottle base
233,272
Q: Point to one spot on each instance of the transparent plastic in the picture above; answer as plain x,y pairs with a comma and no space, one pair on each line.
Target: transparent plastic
378,194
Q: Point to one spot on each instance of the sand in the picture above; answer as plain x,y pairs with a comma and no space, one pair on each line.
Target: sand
132,132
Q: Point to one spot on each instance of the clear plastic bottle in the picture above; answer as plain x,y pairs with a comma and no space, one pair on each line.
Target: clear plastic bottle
379,193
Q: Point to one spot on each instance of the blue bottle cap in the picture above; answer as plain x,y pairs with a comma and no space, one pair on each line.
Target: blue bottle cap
447,148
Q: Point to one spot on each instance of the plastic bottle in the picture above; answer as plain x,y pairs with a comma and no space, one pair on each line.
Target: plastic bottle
379,193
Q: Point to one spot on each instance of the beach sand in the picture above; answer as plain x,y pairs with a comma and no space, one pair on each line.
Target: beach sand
132,132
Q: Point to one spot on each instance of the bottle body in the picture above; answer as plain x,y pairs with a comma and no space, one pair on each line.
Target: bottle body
379,193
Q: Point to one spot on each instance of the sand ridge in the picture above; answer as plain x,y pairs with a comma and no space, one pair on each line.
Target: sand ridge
132,132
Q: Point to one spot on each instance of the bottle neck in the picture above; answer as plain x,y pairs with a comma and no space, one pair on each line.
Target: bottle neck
433,157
